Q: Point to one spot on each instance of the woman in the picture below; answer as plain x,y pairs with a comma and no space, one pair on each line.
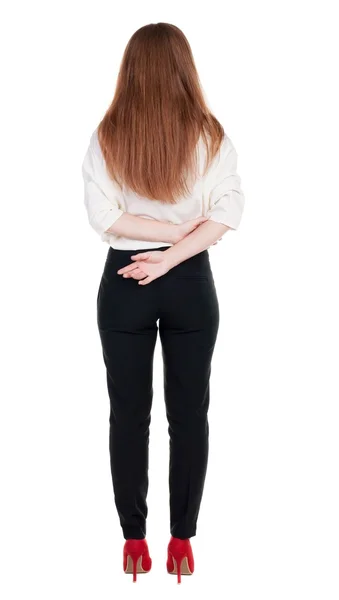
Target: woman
161,186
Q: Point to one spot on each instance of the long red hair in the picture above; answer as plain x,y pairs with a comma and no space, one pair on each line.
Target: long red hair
150,132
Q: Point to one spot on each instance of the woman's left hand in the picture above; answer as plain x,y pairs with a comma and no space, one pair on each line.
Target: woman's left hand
146,267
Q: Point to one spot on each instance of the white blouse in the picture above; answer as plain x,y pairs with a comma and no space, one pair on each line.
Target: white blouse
218,194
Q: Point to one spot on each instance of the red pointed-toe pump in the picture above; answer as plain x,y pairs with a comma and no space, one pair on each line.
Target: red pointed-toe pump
180,559
136,557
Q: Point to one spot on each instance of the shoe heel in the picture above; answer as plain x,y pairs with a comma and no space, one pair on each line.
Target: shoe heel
136,557
179,568
180,559
132,558
135,562
177,562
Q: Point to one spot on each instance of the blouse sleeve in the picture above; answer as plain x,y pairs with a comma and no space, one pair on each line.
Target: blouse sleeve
101,198
226,197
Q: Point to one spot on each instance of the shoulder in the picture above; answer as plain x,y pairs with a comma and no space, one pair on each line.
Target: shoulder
225,153
93,161
226,147
94,153
94,145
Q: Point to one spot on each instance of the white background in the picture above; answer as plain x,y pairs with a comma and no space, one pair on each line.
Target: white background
268,525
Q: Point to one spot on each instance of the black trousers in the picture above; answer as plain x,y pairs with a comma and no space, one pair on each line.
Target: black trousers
183,306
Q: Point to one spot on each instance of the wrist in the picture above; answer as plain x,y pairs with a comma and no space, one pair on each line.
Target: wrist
173,233
171,257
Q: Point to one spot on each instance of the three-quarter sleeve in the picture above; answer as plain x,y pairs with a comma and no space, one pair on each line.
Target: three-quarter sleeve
226,197
101,198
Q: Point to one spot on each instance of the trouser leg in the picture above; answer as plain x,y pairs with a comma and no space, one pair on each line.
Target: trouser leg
188,333
128,332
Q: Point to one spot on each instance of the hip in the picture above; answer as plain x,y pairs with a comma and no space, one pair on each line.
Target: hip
186,294
197,266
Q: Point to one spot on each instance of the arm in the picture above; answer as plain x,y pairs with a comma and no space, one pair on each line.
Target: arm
226,204
225,207
201,238
139,228
105,215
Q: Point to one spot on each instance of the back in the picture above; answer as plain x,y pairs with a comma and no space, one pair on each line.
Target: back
217,194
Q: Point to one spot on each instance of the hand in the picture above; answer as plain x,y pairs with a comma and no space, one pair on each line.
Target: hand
147,266
183,229
219,240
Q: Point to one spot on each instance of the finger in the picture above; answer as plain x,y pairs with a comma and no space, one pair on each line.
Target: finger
141,256
128,268
138,275
146,280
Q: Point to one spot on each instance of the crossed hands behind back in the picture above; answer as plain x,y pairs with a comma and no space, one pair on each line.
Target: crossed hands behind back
148,266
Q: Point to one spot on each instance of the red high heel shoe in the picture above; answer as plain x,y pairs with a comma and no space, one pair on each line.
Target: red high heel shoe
136,557
180,559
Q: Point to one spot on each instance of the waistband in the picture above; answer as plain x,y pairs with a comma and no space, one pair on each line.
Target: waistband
120,256
121,251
